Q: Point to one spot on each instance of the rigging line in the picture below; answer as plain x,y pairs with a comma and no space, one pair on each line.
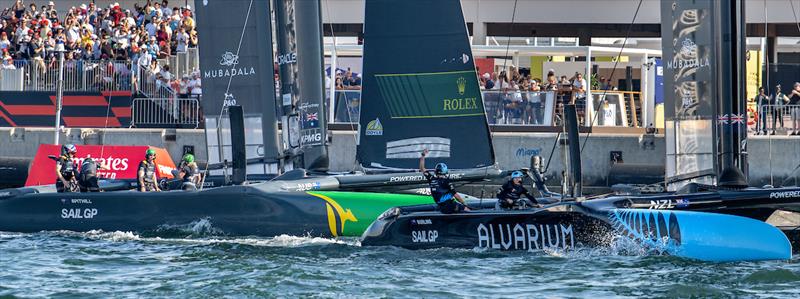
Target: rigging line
767,88
230,79
505,62
105,127
611,76
796,22
333,78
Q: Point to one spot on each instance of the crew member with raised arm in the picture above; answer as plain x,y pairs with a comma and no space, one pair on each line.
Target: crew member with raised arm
443,192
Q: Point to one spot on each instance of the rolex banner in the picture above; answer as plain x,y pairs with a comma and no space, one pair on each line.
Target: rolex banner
689,93
237,69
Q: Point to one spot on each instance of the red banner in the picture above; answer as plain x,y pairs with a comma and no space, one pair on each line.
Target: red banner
123,162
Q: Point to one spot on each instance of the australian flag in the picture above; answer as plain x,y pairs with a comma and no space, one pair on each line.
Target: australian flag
311,121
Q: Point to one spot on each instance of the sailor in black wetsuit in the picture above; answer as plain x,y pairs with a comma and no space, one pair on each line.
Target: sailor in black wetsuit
146,174
443,192
66,170
88,175
509,196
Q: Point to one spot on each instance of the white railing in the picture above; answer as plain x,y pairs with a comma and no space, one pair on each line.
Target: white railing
165,112
772,118
152,85
79,75
535,108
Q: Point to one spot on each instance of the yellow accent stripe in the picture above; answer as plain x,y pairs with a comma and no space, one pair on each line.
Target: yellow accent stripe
439,116
331,220
333,209
424,74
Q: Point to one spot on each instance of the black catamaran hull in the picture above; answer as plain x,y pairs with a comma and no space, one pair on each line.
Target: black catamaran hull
234,210
490,230
704,236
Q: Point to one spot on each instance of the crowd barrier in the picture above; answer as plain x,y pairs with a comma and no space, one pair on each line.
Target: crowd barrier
165,113
777,118
534,108
79,75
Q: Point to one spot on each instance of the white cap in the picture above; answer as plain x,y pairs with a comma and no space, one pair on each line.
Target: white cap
51,3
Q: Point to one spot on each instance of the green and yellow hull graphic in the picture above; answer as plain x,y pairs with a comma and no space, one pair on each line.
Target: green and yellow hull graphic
350,213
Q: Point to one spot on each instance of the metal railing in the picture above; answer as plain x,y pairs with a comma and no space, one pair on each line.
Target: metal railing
347,106
774,118
533,108
79,75
165,113
527,108
152,85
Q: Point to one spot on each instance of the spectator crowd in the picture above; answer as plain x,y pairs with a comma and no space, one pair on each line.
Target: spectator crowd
775,107
141,34
513,97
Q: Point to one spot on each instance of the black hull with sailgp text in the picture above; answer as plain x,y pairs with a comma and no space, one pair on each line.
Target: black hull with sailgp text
569,226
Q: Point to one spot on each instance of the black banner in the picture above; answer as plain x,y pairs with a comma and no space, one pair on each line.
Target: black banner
420,88
236,66
690,93
687,39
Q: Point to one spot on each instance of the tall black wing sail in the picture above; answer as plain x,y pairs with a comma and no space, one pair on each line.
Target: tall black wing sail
689,91
236,66
420,88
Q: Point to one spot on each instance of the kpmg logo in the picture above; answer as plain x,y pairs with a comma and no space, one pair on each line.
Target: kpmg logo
229,59
374,128
462,85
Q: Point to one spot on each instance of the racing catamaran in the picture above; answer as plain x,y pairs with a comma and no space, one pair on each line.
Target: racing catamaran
668,223
404,115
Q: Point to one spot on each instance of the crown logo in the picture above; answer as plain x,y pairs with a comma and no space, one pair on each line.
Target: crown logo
462,85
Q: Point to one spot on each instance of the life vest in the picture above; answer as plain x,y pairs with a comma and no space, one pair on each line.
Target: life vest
67,167
149,170
441,188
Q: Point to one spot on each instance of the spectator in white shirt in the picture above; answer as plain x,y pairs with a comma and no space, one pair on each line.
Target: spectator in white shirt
182,40
8,63
579,86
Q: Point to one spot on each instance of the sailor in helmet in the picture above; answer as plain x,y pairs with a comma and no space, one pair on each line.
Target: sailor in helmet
88,175
189,174
443,192
147,172
510,194
66,170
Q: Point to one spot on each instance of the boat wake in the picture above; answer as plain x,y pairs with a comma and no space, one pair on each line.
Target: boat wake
198,236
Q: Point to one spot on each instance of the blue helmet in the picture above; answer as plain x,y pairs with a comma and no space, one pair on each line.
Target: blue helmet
441,168
516,174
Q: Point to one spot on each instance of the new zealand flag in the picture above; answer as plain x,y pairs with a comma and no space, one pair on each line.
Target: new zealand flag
311,120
